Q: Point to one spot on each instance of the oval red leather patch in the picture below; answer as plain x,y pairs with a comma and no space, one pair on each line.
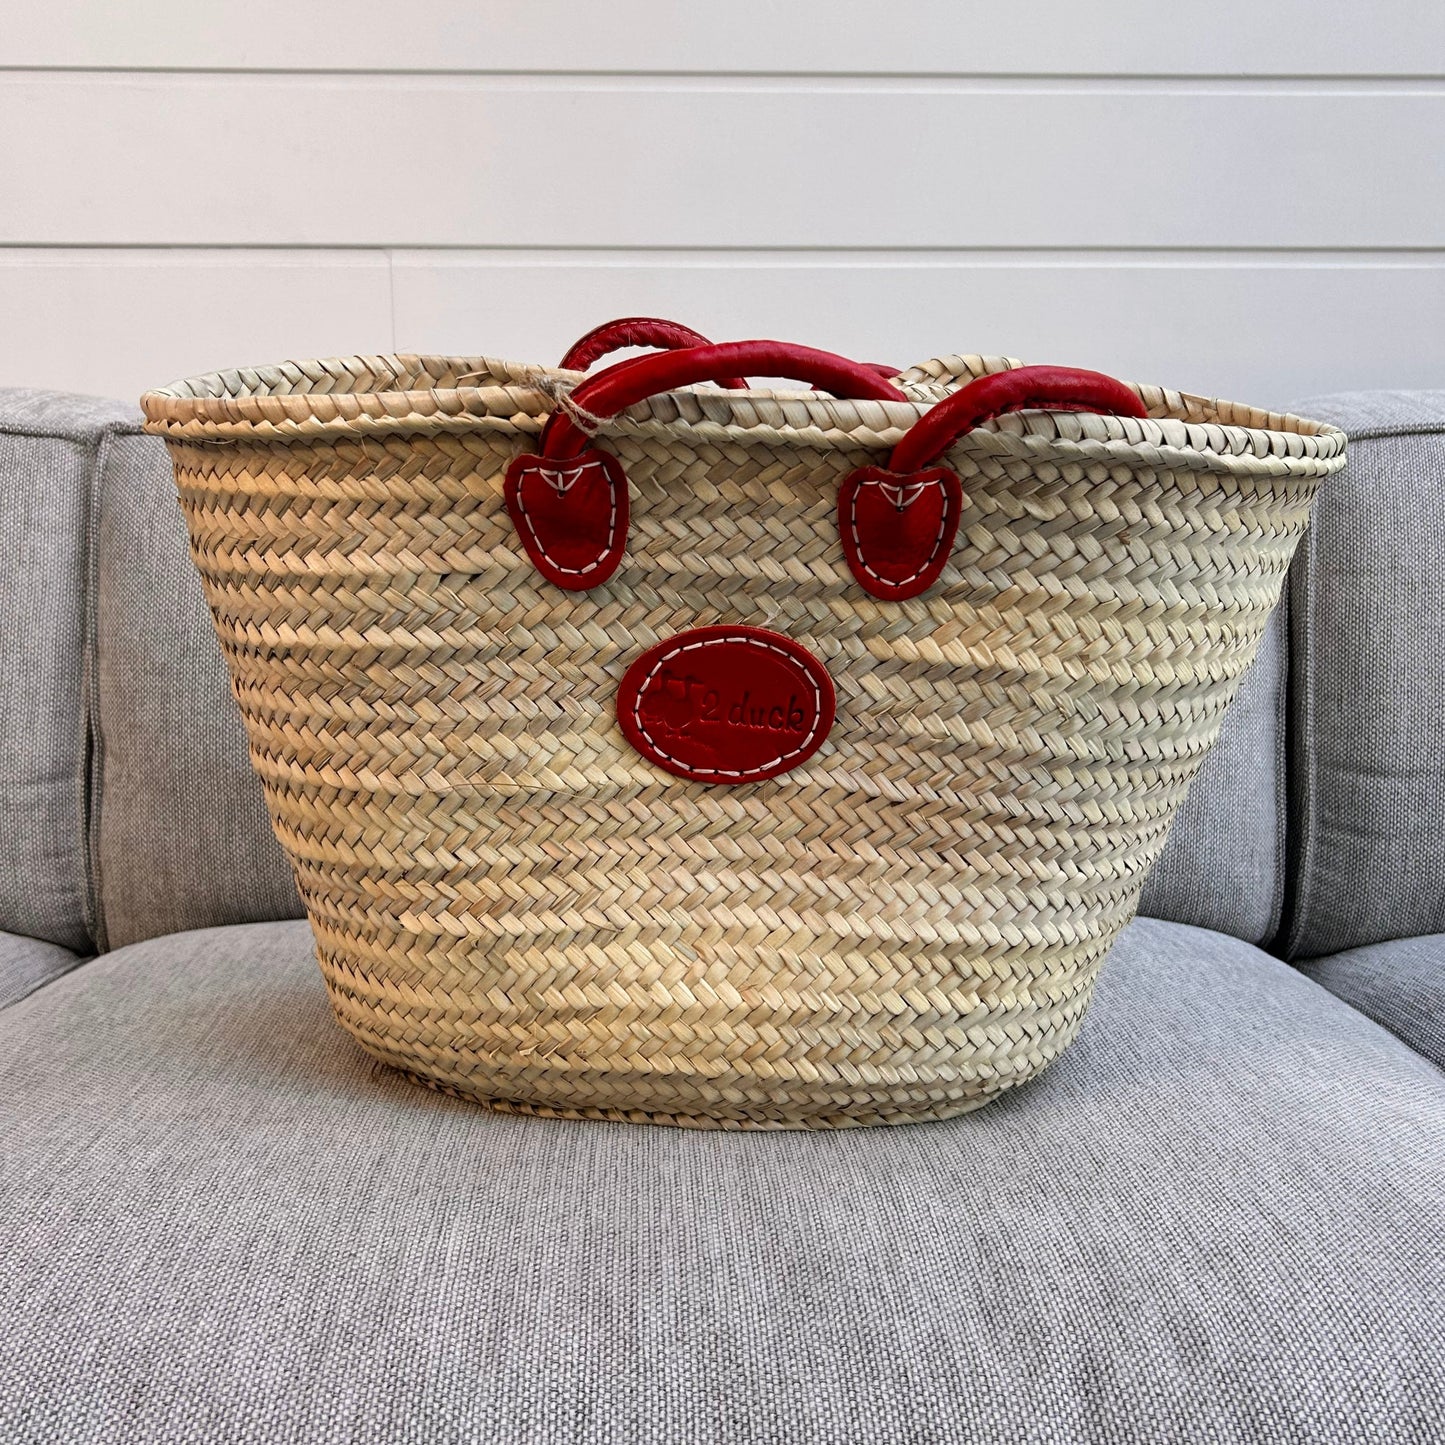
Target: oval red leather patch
726,704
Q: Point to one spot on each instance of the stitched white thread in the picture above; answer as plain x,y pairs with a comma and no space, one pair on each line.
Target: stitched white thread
563,479
902,497
741,773
556,479
896,493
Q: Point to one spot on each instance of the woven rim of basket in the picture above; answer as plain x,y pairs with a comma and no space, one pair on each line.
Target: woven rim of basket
346,396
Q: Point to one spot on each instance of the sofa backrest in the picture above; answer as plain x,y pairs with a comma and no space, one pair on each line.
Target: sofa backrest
1367,651
51,449
179,827
177,831
1223,866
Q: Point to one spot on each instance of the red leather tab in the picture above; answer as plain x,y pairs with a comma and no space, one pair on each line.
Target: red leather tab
571,515
729,704
898,530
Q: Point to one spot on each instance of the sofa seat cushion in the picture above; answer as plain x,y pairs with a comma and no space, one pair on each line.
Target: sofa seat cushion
1216,1218
1400,984
26,963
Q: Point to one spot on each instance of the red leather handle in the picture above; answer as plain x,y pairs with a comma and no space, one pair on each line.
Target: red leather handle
629,382
1028,388
653,331
569,500
897,523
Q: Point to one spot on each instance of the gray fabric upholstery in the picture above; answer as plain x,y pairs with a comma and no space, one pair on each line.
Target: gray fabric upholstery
127,806
180,829
26,963
1217,1218
1400,984
1367,731
1223,866
50,449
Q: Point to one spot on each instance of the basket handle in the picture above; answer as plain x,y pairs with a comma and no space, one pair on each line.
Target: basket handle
897,523
654,331
602,396
657,331
569,500
1026,388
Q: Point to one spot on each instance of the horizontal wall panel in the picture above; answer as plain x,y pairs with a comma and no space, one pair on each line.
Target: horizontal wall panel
117,324
478,161
1259,330
1121,37
1251,331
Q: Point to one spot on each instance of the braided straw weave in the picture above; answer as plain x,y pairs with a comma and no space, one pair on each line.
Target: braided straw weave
512,904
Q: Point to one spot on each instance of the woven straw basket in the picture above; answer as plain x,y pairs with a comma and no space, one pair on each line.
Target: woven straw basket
513,901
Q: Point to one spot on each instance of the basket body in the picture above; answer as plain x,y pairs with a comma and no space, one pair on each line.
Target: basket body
510,902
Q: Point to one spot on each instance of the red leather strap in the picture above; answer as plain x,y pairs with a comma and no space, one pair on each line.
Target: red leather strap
629,382
569,500
897,523
1029,388
654,331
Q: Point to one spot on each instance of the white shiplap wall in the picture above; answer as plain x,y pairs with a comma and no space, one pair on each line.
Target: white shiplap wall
1231,198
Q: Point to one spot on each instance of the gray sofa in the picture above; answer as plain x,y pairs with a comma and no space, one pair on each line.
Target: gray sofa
1219,1218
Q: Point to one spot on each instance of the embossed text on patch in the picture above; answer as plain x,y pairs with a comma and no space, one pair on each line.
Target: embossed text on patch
726,704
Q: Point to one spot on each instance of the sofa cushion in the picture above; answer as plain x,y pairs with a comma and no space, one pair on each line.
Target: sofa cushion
51,448
1367,730
1223,866
181,834
1400,984
26,963
1216,1218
